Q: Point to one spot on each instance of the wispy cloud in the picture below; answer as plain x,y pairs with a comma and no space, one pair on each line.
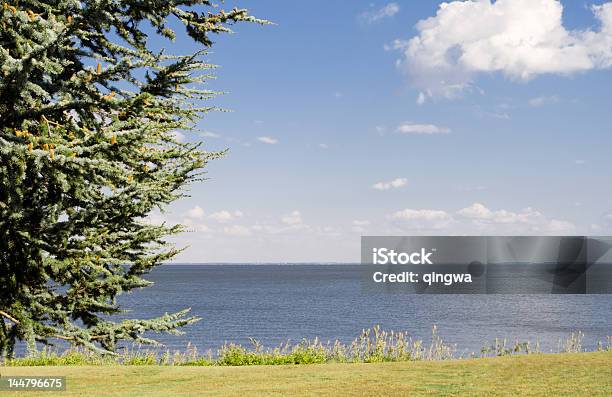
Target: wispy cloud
543,100
268,140
411,128
421,218
396,44
394,184
294,218
420,98
208,134
377,15
237,230
196,212
178,136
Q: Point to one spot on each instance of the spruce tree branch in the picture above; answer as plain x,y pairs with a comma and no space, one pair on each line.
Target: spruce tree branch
5,314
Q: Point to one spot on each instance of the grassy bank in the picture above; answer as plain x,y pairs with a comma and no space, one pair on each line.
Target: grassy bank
581,374
371,346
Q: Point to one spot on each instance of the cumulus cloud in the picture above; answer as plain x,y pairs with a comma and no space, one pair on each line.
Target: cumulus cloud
422,218
196,212
386,11
518,38
295,218
525,220
411,128
196,227
479,212
394,184
268,140
478,219
225,215
476,211
428,215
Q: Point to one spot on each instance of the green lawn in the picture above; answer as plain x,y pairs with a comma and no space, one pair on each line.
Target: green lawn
584,374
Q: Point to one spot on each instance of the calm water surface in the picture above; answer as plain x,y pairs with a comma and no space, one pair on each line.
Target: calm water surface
276,303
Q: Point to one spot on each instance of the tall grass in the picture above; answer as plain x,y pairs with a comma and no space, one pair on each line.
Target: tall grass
372,345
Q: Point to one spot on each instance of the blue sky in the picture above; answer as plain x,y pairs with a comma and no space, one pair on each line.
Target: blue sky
355,118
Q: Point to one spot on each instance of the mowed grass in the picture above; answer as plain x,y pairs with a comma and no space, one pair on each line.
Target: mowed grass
581,374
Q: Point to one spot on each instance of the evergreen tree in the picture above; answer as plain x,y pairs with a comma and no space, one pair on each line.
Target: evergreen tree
88,121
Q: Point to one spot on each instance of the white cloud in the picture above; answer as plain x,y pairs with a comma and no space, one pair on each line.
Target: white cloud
543,100
394,184
428,215
178,136
478,219
558,227
359,226
479,212
580,162
519,38
609,217
396,44
268,140
329,232
422,218
323,146
208,134
225,215
196,212
156,218
420,99
237,230
499,115
476,211
526,220
411,128
196,227
386,11
295,218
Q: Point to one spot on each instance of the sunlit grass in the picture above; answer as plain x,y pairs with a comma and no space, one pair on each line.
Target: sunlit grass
565,374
